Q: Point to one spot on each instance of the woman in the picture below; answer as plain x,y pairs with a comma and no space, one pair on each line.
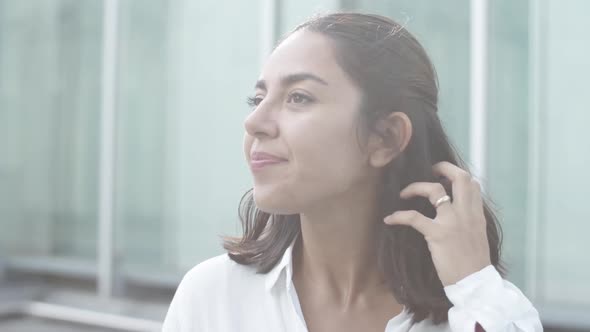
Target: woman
362,217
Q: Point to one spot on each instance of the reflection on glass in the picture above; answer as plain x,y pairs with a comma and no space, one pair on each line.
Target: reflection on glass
49,97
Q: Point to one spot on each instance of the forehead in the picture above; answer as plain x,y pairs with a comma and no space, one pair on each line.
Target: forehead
304,51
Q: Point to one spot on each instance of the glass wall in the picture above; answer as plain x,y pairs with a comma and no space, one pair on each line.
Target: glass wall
508,128
537,145
563,54
49,99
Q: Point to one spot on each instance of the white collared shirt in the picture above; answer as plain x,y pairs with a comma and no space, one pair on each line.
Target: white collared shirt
220,295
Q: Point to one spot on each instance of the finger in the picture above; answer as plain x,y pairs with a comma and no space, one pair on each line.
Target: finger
431,190
411,218
477,200
460,180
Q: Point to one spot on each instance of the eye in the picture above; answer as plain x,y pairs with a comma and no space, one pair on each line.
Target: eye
254,101
299,98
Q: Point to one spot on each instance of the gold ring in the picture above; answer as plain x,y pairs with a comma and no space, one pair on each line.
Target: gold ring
445,198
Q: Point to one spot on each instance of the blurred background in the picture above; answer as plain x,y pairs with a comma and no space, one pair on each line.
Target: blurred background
121,143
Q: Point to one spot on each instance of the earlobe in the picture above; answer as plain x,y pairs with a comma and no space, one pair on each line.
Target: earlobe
381,157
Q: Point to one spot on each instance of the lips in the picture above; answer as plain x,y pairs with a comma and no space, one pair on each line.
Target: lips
263,156
259,160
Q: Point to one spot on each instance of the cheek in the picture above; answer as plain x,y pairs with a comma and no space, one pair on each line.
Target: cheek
332,168
327,163
330,148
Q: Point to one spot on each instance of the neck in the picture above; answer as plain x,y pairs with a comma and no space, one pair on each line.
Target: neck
336,253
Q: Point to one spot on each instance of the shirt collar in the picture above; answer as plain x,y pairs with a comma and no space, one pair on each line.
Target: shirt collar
285,264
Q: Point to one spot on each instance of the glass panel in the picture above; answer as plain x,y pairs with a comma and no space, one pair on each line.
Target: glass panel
141,137
183,79
565,150
507,125
49,104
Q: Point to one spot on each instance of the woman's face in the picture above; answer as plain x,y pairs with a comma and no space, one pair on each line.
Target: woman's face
306,113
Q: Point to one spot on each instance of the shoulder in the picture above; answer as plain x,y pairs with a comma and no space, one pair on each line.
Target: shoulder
212,289
217,276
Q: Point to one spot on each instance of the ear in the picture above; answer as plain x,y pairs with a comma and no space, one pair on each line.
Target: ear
391,136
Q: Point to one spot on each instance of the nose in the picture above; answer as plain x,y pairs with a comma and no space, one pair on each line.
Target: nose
261,122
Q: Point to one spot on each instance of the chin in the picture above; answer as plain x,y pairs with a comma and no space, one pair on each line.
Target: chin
272,203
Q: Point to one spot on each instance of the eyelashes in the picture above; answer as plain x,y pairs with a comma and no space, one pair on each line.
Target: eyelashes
299,98
296,98
253,101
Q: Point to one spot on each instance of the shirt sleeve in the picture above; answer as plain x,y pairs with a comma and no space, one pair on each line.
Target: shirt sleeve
496,304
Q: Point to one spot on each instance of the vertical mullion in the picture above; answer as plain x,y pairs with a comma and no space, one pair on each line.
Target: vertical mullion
268,30
533,223
107,150
478,86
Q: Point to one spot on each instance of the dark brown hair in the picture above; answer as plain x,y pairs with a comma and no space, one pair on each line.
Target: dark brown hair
394,74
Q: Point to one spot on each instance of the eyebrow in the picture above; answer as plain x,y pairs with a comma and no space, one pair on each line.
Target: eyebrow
292,79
